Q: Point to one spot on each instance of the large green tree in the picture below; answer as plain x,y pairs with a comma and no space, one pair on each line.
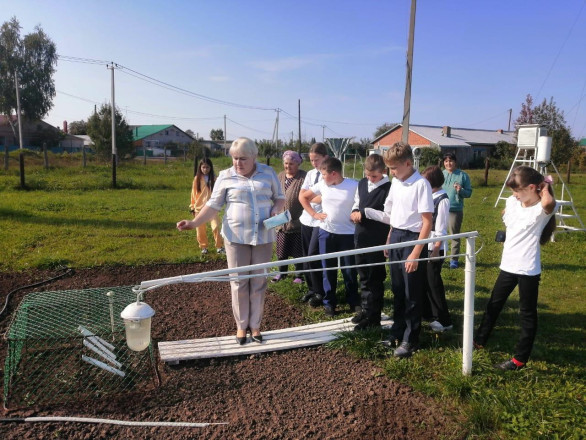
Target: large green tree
217,134
32,58
99,129
77,127
381,129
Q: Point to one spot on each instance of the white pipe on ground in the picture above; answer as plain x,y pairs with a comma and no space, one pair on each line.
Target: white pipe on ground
120,422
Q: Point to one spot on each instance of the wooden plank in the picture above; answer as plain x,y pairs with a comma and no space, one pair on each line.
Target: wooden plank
274,340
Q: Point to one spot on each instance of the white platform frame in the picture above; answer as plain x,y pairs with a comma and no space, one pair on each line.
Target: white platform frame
469,281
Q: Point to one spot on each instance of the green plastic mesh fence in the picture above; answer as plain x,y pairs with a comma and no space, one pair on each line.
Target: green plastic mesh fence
70,345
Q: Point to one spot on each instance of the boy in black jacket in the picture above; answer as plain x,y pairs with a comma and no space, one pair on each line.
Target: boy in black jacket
371,193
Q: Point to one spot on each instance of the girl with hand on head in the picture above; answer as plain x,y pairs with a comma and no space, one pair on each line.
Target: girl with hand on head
530,221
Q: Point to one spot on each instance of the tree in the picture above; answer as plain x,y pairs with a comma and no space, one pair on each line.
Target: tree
217,134
32,59
266,148
381,129
99,129
526,113
77,127
548,115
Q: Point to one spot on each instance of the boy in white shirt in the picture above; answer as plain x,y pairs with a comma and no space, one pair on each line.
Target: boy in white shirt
409,206
336,231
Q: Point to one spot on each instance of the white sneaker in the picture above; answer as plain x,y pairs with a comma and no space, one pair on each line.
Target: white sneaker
438,328
204,251
221,250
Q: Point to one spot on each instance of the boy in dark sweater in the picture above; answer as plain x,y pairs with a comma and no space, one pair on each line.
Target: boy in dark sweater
371,193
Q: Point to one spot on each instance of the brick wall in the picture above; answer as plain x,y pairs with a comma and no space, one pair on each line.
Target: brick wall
415,140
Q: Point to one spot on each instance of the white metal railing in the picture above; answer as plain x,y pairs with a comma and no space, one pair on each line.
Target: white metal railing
469,278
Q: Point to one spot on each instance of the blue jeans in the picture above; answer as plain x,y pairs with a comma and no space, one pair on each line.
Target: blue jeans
329,242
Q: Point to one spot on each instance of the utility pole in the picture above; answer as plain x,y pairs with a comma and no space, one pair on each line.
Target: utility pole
111,66
277,129
299,115
18,116
510,114
407,102
225,137
323,133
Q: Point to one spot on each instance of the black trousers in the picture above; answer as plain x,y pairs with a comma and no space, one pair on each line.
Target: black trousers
408,289
310,245
435,307
372,283
528,292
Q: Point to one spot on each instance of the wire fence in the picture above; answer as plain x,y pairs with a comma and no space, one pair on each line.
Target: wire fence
71,345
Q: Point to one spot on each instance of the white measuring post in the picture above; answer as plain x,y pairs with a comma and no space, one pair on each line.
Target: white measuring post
469,283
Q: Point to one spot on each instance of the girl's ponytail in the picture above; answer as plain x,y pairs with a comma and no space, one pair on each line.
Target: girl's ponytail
549,228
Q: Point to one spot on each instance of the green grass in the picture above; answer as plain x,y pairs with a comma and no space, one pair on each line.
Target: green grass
70,216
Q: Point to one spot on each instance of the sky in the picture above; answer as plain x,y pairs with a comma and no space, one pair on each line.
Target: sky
196,64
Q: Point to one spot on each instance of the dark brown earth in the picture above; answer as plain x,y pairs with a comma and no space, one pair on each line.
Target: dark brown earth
315,393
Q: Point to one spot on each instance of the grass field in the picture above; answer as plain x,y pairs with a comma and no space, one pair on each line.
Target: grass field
70,216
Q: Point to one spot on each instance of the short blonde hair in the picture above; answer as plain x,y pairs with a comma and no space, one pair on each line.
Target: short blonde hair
244,146
399,152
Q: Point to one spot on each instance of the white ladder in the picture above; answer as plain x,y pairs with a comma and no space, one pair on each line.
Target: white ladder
524,156
566,201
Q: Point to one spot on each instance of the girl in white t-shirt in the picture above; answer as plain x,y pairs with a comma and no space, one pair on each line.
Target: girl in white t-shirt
530,221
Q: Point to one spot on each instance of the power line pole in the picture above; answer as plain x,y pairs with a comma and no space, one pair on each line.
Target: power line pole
510,114
18,116
111,66
277,129
225,134
299,115
407,102
323,133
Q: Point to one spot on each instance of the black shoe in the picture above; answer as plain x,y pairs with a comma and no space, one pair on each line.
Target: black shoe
316,301
241,340
358,317
257,338
307,296
330,311
509,366
366,324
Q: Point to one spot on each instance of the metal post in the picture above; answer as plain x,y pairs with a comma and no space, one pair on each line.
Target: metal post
277,129
114,151
469,283
407,101
225,134
299,113
18,117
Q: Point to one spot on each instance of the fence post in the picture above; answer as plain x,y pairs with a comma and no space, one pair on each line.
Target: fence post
469,283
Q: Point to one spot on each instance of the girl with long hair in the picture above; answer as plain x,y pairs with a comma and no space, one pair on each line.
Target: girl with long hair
201,191
529,218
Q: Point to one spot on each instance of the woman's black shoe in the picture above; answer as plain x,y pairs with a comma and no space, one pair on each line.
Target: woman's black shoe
241,340
257,338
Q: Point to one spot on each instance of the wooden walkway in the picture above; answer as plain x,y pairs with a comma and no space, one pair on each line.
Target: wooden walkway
284,339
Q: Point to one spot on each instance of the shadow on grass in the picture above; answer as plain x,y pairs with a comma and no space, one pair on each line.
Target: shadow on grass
25,217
